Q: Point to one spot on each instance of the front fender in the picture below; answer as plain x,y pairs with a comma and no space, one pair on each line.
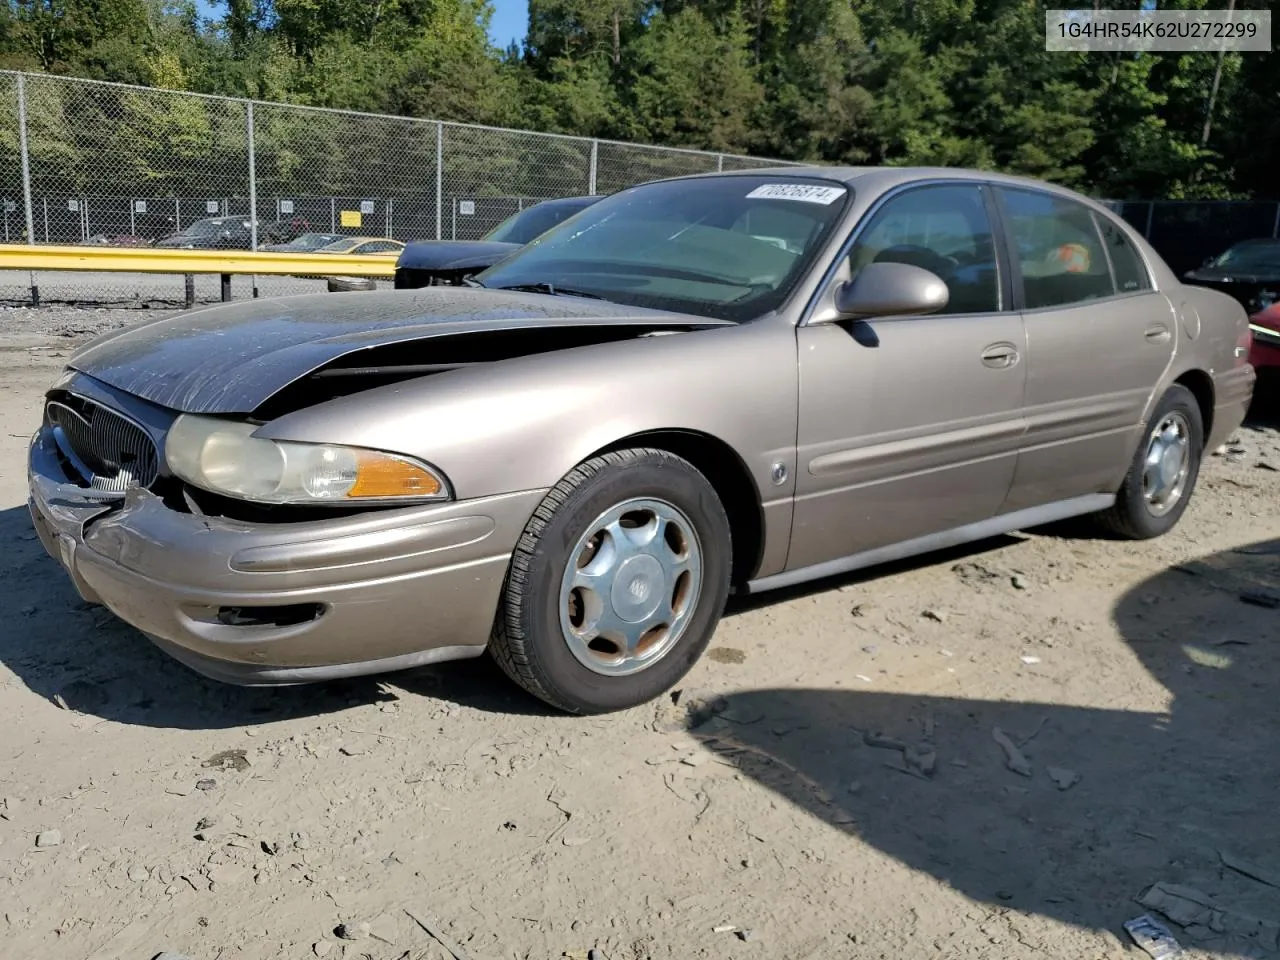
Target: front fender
522,424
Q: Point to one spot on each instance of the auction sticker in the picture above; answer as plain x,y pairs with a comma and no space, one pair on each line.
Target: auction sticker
803,192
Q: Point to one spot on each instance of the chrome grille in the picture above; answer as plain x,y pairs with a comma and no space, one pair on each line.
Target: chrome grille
111,451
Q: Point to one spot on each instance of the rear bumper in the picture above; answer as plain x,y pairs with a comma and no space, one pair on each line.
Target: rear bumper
1233,392
313,601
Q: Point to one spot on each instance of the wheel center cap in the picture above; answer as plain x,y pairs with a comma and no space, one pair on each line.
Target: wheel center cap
1170,464
638,587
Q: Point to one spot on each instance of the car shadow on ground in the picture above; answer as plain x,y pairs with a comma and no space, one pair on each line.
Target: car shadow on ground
85,658
1160,796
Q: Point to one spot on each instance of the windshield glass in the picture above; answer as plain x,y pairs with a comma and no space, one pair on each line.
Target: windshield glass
1251,256
341,246
530,224
728,247
309,241
204,228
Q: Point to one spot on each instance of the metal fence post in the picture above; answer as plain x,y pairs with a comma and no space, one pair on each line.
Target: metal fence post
720,163
439,181
1151,212
1275,229
253,181
26,157
595,159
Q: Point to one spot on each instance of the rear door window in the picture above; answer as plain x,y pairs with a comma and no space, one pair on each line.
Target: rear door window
1058,249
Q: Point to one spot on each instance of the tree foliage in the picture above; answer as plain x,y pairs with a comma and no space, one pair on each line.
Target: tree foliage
948,82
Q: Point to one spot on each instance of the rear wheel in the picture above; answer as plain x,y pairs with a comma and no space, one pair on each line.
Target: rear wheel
1158,486
617,583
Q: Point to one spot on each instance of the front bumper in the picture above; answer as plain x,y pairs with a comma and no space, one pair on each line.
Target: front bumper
388,590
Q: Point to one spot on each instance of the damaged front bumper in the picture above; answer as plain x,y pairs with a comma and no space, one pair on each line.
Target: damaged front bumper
283,603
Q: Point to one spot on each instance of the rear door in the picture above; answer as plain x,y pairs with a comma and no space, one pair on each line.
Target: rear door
1099,337
911,425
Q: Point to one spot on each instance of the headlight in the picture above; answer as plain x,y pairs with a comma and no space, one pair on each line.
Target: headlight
223,456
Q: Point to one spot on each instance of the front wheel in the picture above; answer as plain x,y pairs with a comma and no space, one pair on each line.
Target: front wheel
1163,473
617,583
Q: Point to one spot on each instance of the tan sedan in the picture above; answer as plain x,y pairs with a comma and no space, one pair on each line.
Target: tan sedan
723,383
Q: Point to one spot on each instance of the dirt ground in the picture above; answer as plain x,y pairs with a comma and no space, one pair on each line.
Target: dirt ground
767,813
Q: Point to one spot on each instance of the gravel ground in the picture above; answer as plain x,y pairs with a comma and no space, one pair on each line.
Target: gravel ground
989,753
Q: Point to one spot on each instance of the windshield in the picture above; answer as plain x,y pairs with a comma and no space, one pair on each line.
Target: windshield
729,247
341,246
205,228
532,223
1251,256
309,241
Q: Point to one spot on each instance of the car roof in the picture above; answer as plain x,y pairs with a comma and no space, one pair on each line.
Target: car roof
879,179
567,202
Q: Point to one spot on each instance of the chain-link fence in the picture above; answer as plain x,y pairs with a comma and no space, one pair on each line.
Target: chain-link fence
1187,232
84,162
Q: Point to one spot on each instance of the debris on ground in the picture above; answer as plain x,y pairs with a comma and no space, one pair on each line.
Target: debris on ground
1014,758
975,573
1203,917
1153,937
49,838
1270,877
1261,598
1064,778
746,936
353,931
921,758
206,785
228,760
440,938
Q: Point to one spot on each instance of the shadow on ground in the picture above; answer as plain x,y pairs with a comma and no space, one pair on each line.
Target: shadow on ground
1160,796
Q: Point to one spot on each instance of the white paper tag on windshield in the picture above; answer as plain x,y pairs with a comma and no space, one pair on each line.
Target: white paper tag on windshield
803,192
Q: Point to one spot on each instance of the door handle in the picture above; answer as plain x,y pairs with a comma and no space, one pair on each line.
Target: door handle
1000,356
1158,334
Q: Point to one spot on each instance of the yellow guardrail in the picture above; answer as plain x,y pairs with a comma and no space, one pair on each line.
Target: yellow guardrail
164,260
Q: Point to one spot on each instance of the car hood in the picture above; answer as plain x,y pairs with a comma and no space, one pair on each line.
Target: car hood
1224,275
453,254
233,358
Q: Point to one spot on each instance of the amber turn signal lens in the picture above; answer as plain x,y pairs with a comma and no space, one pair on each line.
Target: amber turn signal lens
381,475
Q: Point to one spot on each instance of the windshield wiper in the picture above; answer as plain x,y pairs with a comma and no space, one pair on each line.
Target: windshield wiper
550,289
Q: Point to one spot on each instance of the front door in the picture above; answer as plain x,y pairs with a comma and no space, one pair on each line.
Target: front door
911,425
1099,337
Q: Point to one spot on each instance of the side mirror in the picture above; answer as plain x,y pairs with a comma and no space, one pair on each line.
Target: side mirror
891,289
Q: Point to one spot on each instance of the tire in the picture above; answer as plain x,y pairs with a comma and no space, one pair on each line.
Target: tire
549,647
1135,515
349,284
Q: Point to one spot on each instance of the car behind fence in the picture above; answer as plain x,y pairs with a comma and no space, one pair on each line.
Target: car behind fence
89,162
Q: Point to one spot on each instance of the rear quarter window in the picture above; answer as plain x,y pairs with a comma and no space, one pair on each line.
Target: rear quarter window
1126,263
